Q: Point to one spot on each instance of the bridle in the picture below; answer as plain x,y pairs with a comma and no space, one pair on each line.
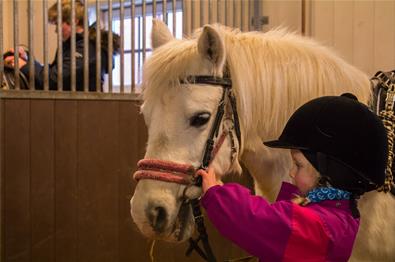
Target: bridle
383,84
184,173
227,96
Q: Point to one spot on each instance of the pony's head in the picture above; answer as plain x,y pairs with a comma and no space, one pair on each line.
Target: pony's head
183,88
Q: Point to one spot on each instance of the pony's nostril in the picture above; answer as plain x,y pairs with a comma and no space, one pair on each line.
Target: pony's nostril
157,217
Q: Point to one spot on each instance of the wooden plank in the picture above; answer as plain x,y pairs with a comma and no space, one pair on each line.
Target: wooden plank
384,36
237,14
363,45
16,179
187,20
132,138
221,11
204,13
42,186
229,13
213,11
2,173
66,193
322,21
282,14
98,180
245,16
267,9
195,15
290,15
343,29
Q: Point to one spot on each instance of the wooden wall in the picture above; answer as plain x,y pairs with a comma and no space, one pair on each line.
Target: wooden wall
66,183
361,31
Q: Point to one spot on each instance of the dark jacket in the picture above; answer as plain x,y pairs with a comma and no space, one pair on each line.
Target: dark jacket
53,70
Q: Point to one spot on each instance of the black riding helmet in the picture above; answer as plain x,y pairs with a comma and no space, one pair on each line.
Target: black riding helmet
342,139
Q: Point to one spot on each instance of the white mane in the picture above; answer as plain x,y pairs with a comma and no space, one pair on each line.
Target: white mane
280,68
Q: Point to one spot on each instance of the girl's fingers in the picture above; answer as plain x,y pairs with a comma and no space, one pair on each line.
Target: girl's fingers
201,172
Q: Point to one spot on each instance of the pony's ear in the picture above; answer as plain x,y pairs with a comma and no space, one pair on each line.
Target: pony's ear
211,46
160,33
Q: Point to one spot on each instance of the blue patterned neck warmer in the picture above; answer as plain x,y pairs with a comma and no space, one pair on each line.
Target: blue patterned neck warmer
327,193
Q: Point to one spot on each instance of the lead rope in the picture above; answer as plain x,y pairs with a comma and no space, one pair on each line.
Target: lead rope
208,255
151,252
388,118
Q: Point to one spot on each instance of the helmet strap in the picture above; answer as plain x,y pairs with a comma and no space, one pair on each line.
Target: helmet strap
322,165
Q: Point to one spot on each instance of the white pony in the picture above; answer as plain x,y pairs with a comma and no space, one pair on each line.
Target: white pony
273,73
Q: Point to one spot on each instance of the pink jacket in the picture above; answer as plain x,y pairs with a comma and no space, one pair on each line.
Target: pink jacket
282,231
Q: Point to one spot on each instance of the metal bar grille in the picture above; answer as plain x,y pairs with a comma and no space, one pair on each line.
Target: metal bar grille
98,47
122,32
73,47
193,14
164,9
31,49
86,47
45,30
174,3
154,8
144,29
111,13
110,47
60,47
132,48
211,12
16,43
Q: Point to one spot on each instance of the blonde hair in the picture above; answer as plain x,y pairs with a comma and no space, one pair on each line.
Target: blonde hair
66,12
300,200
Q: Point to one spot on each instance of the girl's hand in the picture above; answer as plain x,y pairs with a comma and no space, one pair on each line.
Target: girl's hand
209,178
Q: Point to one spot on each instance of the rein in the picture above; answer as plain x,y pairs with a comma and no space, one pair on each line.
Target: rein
383,105
184,173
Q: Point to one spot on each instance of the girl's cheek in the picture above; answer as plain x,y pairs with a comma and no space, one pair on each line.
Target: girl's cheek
292,171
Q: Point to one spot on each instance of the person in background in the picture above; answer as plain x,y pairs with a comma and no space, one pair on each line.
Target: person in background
339,152
66,49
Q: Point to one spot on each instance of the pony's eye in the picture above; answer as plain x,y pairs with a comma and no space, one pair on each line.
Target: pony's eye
199,119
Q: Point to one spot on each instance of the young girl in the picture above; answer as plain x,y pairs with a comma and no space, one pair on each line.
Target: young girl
339,151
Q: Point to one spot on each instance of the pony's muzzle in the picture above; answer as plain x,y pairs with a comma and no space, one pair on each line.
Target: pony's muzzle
157,217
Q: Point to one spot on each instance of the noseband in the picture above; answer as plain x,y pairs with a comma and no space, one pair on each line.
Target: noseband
184,173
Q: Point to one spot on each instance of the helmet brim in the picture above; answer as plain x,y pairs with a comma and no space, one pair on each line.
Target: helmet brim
283,144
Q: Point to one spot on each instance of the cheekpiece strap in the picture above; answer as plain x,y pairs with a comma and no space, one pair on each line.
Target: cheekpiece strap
210,80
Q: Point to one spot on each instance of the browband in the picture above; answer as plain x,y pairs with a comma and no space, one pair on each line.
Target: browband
210,80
